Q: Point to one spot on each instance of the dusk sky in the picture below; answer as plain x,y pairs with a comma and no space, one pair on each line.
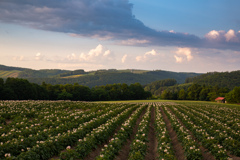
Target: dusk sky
183,36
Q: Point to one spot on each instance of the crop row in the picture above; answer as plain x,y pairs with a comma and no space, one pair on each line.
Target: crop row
199,128
115,144
190,146
165,149
64,135
71,130
96,136
228,119
26,129
225,136
139,144
17,143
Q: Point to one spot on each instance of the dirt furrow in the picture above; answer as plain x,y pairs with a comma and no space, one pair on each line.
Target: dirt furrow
124,152
179,152
205,153
97,150
152,144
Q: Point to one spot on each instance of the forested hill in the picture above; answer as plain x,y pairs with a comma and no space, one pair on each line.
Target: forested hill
104,78
221,79
95,78
7,68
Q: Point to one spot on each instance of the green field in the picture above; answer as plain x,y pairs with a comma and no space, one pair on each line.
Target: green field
146,129
175,101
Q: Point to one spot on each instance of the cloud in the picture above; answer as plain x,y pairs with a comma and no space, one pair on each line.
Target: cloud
39,57
213,35
148,56
223,36
178,59
230,36
72,57
124,58
105,20
134,42
183,53
96,54
19,58
172,31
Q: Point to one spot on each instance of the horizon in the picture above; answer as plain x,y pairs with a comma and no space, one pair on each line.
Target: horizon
119,70
177,36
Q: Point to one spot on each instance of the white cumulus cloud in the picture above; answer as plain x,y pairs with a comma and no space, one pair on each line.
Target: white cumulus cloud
96,54
39,57
178,59
72,56
213,34
124,58
230,36
183,53
223,36
18,58
147,56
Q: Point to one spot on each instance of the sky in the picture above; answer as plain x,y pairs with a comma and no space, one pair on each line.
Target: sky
182,36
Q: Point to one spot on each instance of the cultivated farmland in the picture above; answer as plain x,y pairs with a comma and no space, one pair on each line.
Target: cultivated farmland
44,130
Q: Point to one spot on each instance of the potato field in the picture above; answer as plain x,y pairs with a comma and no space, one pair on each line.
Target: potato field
45,130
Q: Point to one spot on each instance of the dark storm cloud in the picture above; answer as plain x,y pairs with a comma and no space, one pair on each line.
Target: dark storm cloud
109,19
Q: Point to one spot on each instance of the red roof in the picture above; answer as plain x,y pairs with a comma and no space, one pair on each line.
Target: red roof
219,99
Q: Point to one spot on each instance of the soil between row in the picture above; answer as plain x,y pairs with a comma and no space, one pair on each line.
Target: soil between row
152,153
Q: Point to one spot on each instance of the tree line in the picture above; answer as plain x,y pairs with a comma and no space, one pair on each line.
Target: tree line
169,89
22,89
203,93
221,79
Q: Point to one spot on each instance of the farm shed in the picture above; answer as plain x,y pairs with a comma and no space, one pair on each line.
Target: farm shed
220,100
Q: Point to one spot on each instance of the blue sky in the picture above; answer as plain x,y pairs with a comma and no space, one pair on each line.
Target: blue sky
183,36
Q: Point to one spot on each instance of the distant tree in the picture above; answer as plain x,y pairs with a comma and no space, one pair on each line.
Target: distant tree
174,95
137,91
166,95
40,92
157,87
114,91
212,96
148,95
64,95
81,93
203,95
1,82
125,92
8,94
233,96
236,93
99,94
21,87
193,92
1,88
230,98
182,94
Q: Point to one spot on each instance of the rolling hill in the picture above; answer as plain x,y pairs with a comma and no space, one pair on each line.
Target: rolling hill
6,71
221,79
111,76
93,78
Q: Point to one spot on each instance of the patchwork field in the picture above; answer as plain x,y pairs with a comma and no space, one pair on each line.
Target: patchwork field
32,130
5,74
